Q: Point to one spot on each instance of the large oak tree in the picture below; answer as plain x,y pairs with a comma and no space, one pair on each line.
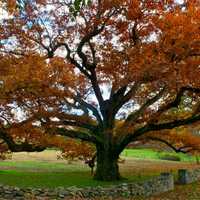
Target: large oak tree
114,61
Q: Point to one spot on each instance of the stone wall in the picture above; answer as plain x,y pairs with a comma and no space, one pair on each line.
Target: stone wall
156,185
186,176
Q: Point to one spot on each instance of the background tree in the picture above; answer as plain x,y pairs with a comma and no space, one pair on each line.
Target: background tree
116,60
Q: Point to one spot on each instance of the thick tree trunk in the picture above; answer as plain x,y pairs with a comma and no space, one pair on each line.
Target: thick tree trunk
107,166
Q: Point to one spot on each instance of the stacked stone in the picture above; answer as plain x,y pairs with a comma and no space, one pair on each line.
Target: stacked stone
188,176
156,185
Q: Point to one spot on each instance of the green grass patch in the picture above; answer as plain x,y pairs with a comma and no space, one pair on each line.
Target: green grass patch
140,153
153,154
57,179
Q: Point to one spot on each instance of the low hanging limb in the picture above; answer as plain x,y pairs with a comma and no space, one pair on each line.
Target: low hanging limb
15,147
182,149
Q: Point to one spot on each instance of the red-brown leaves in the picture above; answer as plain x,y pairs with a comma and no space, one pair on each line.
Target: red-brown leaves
11,5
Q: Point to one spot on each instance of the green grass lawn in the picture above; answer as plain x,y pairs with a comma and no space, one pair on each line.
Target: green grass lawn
54,174
50,175
56,179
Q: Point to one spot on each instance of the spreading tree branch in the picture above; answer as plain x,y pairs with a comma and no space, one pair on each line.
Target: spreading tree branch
91,108
15,147
77,135
149,102
177,99
176,149
155,127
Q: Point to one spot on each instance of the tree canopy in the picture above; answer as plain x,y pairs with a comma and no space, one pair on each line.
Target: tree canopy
110,74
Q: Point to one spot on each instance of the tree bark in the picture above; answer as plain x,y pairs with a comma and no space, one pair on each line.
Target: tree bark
107,166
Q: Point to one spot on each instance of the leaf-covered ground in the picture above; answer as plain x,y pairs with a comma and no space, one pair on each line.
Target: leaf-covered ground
187,192
181,192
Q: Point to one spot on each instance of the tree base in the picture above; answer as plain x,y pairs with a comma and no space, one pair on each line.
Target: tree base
107,177
107,171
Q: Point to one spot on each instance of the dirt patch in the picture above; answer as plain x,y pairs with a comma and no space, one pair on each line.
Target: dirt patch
47,155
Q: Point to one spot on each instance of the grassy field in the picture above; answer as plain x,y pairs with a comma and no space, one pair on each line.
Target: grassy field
44,170
49,174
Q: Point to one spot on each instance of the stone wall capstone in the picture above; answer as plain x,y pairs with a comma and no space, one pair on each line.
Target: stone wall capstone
186,176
